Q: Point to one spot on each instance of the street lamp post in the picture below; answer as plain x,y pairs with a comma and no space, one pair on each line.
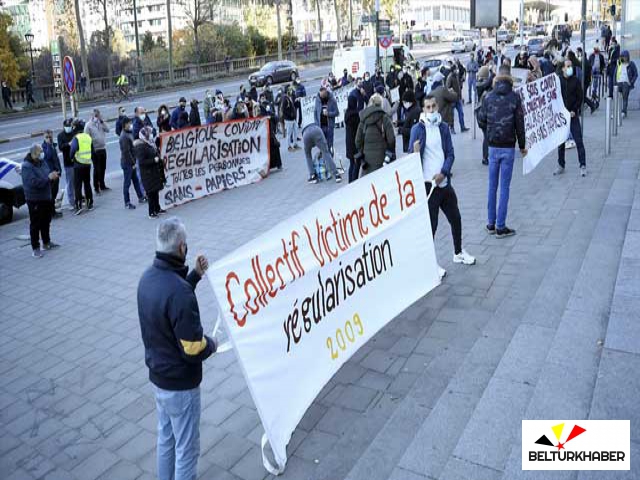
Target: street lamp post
29,38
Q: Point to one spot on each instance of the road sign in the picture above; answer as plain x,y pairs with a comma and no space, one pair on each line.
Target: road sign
385,41
69,74
384,26
368,19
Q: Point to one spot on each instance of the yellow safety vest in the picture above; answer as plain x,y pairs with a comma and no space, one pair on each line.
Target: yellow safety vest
83,155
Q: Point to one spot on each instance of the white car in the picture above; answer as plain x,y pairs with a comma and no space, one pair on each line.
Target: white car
462,44
11,191
519,41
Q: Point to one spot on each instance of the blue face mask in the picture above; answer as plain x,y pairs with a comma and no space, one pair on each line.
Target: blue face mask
41,157
570,72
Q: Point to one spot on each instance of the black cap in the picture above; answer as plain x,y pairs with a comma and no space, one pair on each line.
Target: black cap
182,100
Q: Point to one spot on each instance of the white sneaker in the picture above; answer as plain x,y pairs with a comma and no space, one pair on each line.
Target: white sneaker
441,272
583,171
464,258
559,170
570,144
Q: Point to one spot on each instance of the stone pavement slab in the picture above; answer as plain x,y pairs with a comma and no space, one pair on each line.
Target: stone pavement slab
75,401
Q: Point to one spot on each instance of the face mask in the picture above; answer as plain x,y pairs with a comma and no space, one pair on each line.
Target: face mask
407,105
569,71
41,156
67,129
182,107
433,117
143,116
129,128
366,77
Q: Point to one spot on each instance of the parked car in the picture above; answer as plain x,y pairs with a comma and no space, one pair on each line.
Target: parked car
433,64
502,35
275,72
11,191
536,46
520,40
541,30
462,44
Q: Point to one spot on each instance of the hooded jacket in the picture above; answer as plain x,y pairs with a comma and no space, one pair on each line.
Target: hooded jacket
572,93
419,133
35,179
501,115
332,110
375,137
535,73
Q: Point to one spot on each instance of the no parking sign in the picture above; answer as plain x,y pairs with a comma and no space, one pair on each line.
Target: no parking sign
69,75
385,41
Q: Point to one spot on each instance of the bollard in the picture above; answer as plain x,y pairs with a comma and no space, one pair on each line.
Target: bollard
616,106
619,118
473,106
607,128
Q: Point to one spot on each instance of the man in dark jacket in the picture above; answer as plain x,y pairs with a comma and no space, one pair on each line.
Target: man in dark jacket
405,82
175,347
289,114
64,145
453,83
359,94
326,111
6,96
140,120
409,116
484,85
179,116
392,78
375,138
502,117
29,92
446,99
432,140
573,97
612,64
128,165
36,179
301,92
367,84
53,162
421,85
596,60
119,121
351,122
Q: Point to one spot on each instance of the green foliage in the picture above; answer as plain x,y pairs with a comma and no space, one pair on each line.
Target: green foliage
11,67
147,43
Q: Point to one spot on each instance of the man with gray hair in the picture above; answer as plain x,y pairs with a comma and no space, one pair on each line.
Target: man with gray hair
175,347
97,129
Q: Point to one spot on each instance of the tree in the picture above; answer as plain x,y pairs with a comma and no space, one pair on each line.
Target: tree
83,43
197,13
10,69
338,32
147,42
316,4
100,6
170,37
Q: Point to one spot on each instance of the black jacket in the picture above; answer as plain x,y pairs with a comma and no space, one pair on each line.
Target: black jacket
64,145
571,93
289,111
127,154
501,115
411,117
152,172
174,343
351,122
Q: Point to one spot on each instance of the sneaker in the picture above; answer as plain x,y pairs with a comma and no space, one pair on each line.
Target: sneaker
491,229
570,144
130,206
465,129
504,232
313,178
290,149
338,178
297,147
583,171
57,214
142,200
464,258
161,212
37,253
559,170
50,246
90,206
153,215
105,188
78,211
441,272
624,114
485,161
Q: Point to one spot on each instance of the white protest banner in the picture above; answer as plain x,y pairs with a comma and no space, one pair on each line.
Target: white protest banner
546,120
395,95
308,105
301,299
199,161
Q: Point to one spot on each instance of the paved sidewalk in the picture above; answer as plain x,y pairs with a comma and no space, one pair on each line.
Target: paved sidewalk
438,394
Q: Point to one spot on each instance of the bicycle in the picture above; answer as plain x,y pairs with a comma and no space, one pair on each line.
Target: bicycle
118,95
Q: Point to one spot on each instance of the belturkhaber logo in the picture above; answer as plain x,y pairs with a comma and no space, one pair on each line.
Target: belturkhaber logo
575,445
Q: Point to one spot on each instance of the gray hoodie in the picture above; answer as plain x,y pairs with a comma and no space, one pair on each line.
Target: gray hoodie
97,130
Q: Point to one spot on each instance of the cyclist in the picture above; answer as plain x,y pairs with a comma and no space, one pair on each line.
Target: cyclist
123,84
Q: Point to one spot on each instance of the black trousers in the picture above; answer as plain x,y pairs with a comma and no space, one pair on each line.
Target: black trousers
7,103
55,186
576,133
39,222
82,177
445,199
99,159
153,201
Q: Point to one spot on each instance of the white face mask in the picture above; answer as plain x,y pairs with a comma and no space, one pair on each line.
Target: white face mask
143,116
407,105
67,129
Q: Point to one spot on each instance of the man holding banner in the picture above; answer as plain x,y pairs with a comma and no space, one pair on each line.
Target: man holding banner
572,96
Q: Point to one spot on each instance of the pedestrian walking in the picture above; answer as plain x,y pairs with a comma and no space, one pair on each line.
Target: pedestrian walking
326,111
375,138
290,113
626,76
432,140
421,89
36,181
175,347
445,97
97,129
472,78
53,163
82,153
453,84
151,169
65,137
227,63
502,116
597,62
6,96
572,96
351,122
128,165
29,92
314,137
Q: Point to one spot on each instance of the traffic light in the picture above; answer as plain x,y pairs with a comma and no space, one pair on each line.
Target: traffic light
566,17
612,10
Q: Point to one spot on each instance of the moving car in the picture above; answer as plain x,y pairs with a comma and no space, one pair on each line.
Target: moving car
502,35
358,60
275,72
536,46
11,191
433,64
462,44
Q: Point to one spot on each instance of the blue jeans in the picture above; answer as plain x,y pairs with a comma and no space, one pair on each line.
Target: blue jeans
328,135
129,177
178,433
459,108
471,83
500,170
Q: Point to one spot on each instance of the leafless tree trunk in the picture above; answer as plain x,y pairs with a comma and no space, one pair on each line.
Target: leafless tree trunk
170,38
338,33
83,45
